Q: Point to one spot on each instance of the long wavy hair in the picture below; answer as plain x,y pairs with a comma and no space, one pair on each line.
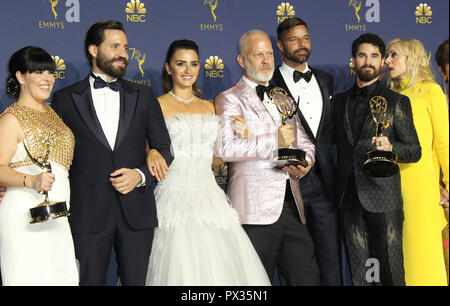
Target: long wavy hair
166,78
418,66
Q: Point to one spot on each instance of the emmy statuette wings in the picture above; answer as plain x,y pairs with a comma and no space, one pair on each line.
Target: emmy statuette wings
380,163
47,209
287,108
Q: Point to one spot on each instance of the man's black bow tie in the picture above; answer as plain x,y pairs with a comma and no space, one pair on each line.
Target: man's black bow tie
261,89
100,83
298,75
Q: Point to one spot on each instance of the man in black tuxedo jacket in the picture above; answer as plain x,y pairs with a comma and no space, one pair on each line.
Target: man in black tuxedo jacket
112,201
313,88
371,208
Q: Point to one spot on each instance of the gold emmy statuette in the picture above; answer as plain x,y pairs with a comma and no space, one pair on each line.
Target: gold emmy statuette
380,163
287,108
47,209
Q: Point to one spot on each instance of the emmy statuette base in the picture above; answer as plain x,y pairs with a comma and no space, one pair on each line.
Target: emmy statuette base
287,156
381,164
48,210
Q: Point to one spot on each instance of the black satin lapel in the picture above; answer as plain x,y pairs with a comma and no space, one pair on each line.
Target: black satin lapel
279,82
85,105
128,101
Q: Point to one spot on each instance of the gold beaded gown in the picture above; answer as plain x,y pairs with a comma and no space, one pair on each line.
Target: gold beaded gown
40,253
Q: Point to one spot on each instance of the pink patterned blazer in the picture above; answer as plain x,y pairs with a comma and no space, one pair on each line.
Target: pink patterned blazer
255,188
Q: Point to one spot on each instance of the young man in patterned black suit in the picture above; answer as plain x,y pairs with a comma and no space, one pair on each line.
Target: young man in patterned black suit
371,208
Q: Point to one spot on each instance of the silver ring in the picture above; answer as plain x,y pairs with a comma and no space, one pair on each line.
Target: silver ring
153,167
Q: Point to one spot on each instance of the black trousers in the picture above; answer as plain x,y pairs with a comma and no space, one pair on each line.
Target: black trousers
323,224
132,249
372,236
286,245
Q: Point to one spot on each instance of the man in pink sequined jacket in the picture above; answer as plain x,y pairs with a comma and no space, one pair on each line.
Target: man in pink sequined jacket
267,199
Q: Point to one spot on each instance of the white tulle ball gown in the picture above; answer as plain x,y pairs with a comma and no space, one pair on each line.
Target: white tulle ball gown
199,240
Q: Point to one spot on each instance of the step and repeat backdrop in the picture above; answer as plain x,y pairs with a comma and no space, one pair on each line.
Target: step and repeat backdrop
59,26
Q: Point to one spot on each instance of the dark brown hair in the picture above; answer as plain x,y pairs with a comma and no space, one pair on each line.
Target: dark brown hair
166,78
28,59
288,24
95,34
442,55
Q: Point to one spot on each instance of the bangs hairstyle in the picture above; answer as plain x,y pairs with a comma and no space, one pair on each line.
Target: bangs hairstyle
418,66
183,44
29,59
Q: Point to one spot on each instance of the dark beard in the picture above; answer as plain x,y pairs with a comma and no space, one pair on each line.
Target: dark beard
300,59
367,76
107,67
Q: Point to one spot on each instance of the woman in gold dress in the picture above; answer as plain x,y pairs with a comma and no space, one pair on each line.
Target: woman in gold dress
39,253
410,74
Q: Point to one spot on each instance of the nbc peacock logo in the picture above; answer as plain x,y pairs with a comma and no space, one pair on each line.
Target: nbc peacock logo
60,72
136,11
423,13
214,67
352,67
284,11
221,174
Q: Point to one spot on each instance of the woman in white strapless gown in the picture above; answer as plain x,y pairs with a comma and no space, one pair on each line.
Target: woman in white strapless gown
39,253
199,240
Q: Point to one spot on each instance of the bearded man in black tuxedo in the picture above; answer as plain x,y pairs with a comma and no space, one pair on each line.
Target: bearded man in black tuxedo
112,201
313,88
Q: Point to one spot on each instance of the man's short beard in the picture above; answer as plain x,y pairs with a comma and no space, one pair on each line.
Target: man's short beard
297,59
257,75
107,67
367,76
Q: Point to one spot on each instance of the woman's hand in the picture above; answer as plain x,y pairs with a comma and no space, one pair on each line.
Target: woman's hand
157,165
41,182
239,125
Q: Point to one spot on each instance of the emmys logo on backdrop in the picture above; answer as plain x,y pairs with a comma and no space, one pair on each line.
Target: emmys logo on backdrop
212,6
285,11
214,67
135,11
60,72
423,13
372,14
139,58
59,12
